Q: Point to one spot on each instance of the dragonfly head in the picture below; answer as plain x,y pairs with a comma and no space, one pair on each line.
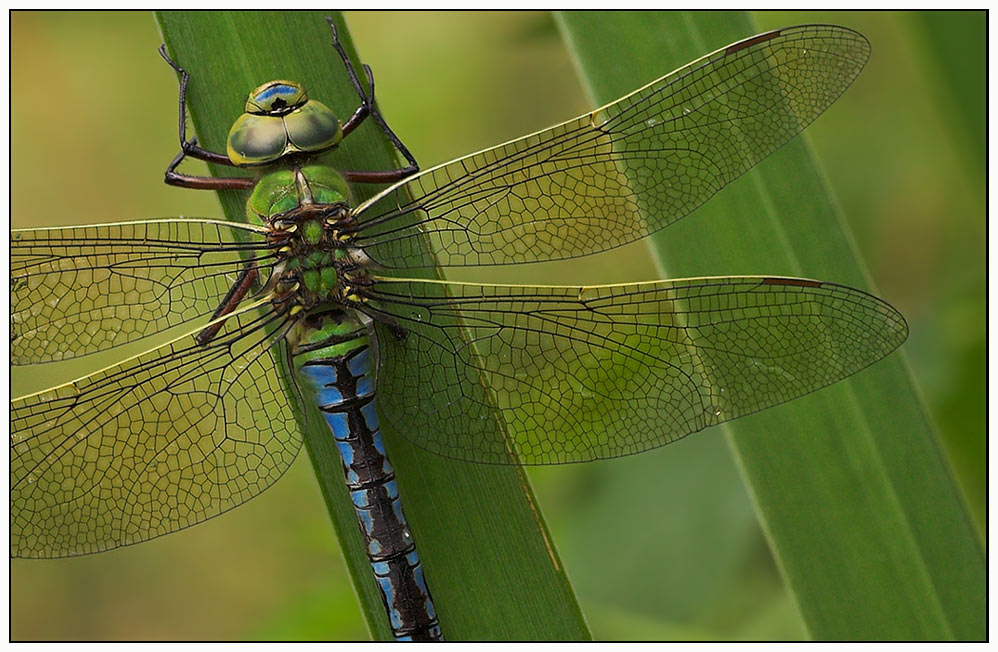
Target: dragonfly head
279,121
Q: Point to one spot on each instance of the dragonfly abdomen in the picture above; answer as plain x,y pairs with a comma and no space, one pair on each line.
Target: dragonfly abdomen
341,382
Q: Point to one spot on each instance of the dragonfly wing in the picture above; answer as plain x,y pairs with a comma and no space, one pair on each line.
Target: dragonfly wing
584,373
78,290
159,442
625,170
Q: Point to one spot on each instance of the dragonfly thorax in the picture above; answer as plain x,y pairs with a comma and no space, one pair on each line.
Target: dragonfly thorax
306,210
294,195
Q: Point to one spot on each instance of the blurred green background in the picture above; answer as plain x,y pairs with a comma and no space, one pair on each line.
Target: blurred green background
93,120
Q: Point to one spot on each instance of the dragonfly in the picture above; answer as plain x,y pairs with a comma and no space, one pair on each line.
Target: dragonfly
336,295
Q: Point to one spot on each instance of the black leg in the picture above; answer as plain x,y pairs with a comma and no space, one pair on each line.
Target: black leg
379,119
362,111
368,107
189,147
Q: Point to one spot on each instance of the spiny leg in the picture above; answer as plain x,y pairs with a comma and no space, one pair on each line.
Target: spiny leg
369,108
190,147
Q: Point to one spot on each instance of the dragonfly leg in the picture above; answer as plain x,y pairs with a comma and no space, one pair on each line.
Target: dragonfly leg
368,108
190,147
233,297
174,178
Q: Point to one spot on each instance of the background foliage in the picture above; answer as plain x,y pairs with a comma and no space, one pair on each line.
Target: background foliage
903,150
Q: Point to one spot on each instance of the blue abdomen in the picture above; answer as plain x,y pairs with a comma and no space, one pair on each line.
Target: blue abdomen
341,384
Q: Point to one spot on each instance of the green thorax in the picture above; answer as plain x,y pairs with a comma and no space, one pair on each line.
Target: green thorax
281,192
305,209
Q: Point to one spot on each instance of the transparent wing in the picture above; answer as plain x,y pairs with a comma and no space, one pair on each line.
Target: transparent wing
157,443
585,373
625,170
78,290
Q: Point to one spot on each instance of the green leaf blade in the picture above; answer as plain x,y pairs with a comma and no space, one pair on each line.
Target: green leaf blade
487,557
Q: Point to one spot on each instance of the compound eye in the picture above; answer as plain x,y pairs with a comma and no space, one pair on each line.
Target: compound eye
276,98
256,139
313,128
